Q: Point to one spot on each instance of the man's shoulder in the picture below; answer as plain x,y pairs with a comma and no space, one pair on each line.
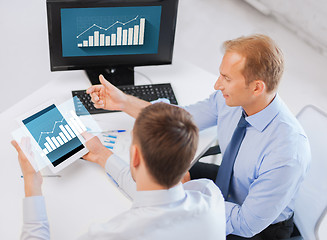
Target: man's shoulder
288,123
205,187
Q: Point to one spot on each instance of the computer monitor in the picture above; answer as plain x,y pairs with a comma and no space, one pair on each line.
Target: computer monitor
110,37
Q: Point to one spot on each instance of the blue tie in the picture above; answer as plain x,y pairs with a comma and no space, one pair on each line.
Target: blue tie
226,168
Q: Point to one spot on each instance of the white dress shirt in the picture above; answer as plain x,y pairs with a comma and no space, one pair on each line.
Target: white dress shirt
270,166
194,210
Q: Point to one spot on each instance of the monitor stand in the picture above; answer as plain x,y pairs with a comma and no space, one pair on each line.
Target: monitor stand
118,76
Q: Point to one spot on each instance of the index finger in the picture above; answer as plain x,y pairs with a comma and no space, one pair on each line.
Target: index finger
95,88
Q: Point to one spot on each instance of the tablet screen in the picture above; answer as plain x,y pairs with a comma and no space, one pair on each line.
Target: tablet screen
56,137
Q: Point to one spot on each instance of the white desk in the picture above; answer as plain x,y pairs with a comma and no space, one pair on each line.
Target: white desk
83,194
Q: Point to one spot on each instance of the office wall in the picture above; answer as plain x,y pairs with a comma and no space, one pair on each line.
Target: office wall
204,25
306,18
201,28
24,54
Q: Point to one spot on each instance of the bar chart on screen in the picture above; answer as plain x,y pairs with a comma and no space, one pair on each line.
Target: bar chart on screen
118,33
118,141
103,31
54,134
62,132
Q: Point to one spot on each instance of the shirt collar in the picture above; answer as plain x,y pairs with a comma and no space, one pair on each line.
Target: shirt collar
158,197
262,119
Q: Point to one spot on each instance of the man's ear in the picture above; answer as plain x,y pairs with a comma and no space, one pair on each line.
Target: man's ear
259,87
135,156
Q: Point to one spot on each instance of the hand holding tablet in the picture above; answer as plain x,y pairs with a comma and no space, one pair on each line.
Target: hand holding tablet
55,134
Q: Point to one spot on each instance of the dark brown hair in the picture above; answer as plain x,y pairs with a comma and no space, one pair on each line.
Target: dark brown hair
264,60
168,139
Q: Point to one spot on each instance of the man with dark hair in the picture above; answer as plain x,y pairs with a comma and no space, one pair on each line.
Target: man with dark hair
164,141
168,139
265,151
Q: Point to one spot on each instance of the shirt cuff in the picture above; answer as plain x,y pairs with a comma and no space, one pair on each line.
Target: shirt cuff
229,207
34,209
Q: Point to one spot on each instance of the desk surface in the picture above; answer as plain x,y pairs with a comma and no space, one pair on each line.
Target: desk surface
83,194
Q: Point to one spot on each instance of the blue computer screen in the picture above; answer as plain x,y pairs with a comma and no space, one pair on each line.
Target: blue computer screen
56,137
110,30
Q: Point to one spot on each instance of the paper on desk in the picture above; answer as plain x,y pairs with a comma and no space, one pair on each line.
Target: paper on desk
117,142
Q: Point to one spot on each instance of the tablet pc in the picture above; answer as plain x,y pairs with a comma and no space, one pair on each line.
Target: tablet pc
58,137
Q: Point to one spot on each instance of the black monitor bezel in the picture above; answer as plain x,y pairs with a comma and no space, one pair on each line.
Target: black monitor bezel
165,46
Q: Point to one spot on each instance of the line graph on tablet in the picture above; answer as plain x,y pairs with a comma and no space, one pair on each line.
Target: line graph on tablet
55,135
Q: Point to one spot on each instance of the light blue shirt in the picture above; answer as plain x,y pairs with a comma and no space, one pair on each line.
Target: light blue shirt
269,168
194,210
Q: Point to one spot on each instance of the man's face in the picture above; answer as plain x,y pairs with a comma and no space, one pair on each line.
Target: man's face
231,81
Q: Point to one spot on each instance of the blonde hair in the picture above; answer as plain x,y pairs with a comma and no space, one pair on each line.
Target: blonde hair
264,60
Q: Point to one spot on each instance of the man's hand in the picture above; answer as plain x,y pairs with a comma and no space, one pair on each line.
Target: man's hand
97,152
32,179
107,96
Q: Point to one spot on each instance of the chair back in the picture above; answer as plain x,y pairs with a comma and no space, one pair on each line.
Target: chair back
321,226
311,201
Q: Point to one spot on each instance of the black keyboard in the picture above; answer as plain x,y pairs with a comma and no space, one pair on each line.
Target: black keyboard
146,92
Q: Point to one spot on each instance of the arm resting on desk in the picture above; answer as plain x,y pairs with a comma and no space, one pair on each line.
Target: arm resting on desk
119,170
115,166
